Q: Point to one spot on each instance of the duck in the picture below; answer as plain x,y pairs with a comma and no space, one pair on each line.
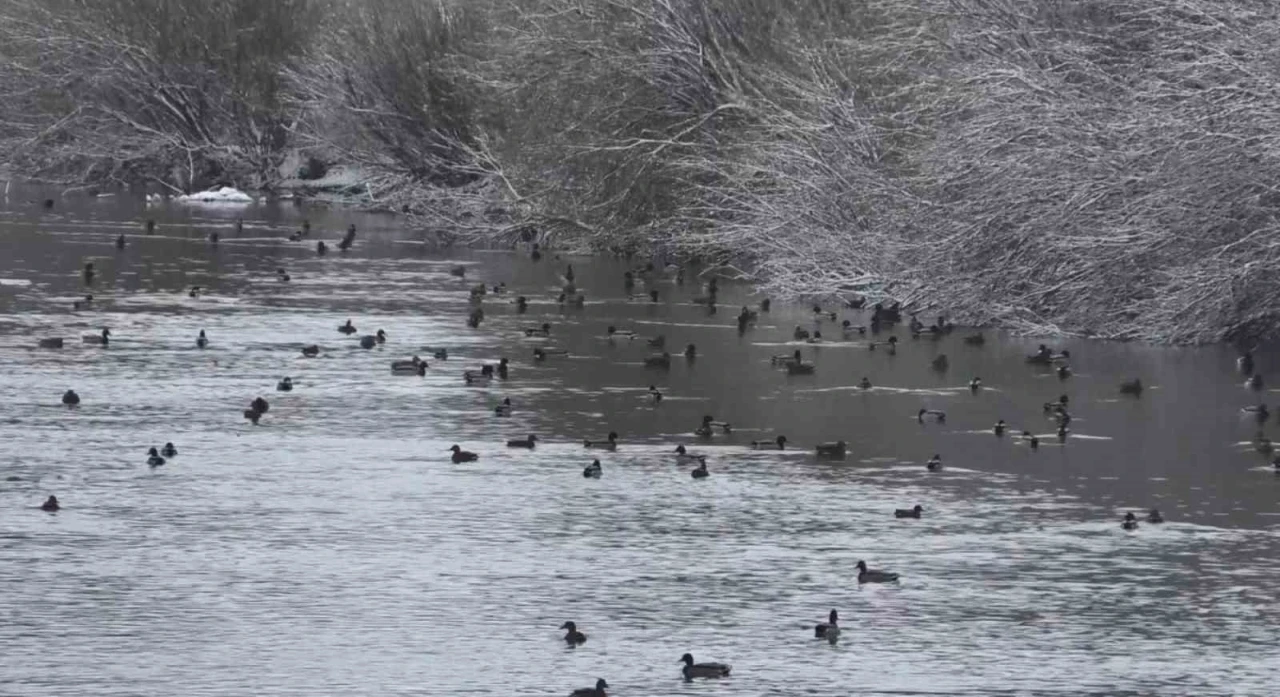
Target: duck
120,242
195,291
684,457
800,368
1245,363
1130,521
522,305
800,334
785,359
746,317
815,339
830,629
572,636
321,248
1042,356
70,398
1062,433
213,238
528,443
347,328
1062,402
475,318
1064,372
593,470
348,239
779,443
440,354
256,409
568,273
662,361
1133,387
866,575
50,504
282,275
505,408
975,384
150,226
934,464
85,304
1153,516
708,426
98,339
834,450
541,354
459,271
544,330
864,384
460,455
89,272
652,296
610,444
659,341
169,450
938,415
655,394
311,351
480,379
1255,382
913,512
202,340
975,339
614,333
848,329
368,341
1032,440
409,367
1259,412
51,343
693,670
999,428
153,457
940,363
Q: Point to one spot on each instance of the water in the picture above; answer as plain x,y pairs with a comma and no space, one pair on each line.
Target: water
335,549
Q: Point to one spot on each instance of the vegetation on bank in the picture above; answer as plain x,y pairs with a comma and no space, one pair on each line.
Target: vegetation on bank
1102,167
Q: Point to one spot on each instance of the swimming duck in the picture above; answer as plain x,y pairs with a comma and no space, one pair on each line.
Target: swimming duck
659,341
83,304
460,455
610,444
368,341
766,305
522,305
593,470
572,636
52,343
913,512
1062,402
663,361
70,398
700,472
940,363
691,352
655,394
1064,372
50,504
285,384
528,443
202,341
311,351
848,329
120,242
477,379
939,415
321,248
1259,412
1154,516
544,330
1133,387
541,354
708,425
784,359
998,429
815,339
975,339
1130,521
150,227
800,334
934,464
282,275
866,575
98,339
169,450
1255,382
1033,441
213,238
834,450
615,333
1245,363
475,318
89,272
1042,356
409,367
684,457
830,629
347,328
800,368
864,384
195,292
348,239
504,409
779,443
441,355
568,273
975,384
693,670
153,458
259,404
746,317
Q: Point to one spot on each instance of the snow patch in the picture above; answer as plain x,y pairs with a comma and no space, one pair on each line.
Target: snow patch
224,195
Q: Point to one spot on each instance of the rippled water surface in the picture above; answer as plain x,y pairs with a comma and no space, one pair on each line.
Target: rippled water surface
335,549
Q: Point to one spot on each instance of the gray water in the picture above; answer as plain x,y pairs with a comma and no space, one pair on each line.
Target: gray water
336,549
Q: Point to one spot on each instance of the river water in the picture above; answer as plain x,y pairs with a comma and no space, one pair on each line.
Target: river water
335,549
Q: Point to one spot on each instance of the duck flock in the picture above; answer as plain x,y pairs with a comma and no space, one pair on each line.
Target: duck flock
882,321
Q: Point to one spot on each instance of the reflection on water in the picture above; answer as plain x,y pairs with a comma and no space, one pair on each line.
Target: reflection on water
335,549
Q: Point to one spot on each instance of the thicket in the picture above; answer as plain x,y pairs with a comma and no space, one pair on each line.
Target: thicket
1103,167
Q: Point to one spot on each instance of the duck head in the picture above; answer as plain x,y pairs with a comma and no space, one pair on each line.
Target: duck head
687,659
152,452
613,435
569,626
690,351
533,438
546,327
918,508
611,330
833,618
781,441
1130,516
680,450
456,448
861,566
653,295
381,335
